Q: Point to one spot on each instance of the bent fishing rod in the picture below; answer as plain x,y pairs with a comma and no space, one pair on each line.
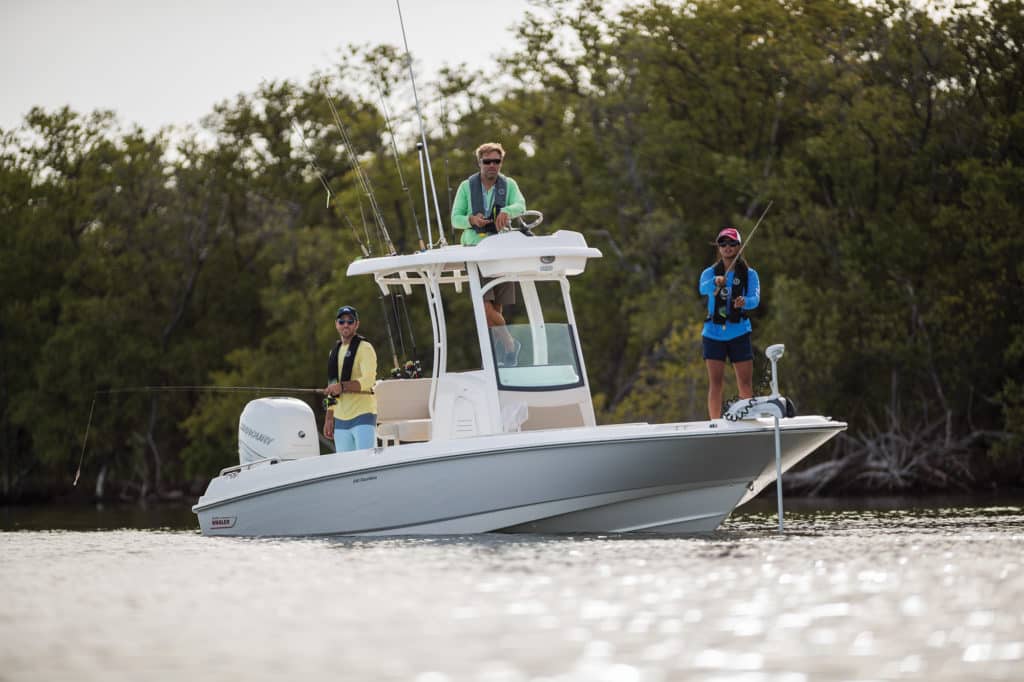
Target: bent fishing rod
192,389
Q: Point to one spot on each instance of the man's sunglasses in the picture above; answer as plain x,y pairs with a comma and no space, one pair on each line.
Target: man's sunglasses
346,321
490,162
728,242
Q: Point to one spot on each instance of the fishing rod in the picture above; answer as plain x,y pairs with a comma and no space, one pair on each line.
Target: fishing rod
423,136
743,246
387,326
378,215
408,324
749,236
396,314
366,230
184,389
398,165
447,176
330,193
423,183
362,178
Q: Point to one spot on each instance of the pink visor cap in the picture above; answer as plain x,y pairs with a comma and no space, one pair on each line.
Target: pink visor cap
729,233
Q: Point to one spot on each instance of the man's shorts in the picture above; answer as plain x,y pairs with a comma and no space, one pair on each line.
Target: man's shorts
503,294
737,350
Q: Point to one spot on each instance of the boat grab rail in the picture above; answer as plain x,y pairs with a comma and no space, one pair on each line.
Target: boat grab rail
249,465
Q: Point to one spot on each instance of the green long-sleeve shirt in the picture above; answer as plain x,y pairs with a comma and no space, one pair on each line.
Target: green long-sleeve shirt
515,205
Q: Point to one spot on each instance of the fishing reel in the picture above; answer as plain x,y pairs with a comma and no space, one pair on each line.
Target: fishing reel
410,370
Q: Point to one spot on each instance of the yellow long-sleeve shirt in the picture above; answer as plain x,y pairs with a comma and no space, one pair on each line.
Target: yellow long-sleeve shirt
364,370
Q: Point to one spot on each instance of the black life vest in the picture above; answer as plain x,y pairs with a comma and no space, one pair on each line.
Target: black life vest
346,366
476,197
739,288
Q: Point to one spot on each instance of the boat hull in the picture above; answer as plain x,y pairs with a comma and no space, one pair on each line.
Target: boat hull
682,478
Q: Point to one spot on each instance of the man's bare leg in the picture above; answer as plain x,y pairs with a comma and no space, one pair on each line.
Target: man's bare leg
496,321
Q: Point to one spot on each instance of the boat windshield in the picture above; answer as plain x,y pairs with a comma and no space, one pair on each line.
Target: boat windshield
546,359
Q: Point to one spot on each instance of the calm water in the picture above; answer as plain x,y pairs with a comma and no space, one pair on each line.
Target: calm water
926,594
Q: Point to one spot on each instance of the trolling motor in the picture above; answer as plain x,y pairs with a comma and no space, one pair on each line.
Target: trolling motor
773,405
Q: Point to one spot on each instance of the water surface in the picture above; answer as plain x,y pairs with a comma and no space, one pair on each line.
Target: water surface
918,594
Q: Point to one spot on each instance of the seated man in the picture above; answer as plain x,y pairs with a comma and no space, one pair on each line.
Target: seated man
486,203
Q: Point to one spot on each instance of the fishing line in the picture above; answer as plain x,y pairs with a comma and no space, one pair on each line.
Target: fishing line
184,389
362,178
387,326
751,235
366,231
330,193
396,316
423,135
744,246
313,163
447,176
408,324
398,165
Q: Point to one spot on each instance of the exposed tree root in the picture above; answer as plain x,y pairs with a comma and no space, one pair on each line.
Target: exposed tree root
900,457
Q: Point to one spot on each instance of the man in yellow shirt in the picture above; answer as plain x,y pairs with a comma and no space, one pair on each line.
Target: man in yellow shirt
351,420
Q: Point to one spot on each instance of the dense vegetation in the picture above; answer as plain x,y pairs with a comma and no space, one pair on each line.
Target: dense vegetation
891,142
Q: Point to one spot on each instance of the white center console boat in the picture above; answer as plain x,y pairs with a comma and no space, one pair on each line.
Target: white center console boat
512,446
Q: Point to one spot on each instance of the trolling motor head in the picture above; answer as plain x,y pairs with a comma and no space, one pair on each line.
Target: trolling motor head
773,353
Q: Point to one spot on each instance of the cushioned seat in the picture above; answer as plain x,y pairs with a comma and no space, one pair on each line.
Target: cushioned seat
403,413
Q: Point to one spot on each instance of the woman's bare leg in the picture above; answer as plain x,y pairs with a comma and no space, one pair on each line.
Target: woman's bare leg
716,375
745,378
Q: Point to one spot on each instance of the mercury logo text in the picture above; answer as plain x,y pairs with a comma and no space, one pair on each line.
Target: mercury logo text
254,434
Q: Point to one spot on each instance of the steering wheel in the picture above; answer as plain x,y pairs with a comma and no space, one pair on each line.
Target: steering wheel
528,220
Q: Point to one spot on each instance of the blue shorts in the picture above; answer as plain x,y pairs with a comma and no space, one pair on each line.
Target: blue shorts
737,350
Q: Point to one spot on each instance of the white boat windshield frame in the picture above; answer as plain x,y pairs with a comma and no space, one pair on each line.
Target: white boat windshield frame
504,391
543,339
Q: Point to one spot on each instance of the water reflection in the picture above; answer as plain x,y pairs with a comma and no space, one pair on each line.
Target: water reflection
895,593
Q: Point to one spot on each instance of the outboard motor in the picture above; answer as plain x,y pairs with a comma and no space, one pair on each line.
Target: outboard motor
277,428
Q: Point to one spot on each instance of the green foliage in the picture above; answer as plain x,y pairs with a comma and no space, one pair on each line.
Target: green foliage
891,142
671,384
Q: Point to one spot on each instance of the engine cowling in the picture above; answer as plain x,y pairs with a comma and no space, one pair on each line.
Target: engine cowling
277,428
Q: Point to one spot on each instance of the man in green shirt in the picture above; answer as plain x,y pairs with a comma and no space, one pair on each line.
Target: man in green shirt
485,204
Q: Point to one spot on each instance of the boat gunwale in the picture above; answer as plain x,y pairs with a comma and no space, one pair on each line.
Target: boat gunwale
321,478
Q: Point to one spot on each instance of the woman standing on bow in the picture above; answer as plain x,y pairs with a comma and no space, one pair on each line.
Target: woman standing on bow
732,288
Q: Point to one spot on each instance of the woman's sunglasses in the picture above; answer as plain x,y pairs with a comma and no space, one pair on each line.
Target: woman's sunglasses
728,242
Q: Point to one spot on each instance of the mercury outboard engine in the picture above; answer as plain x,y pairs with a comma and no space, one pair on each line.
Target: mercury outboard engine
277,428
